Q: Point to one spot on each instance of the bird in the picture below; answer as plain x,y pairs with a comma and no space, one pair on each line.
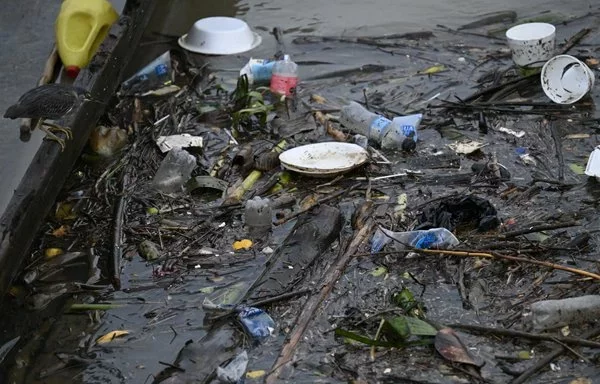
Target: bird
49,102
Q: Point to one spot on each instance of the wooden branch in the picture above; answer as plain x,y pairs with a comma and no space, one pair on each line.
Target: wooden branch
313,303
511,258
527,335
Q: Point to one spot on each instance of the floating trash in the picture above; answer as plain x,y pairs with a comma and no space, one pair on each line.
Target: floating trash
324,159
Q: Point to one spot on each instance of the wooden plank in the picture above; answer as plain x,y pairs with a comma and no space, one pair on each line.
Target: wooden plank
48,171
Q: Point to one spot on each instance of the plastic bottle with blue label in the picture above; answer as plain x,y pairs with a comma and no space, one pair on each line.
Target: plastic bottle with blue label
436,238
257,323
259,71
154,75
389,134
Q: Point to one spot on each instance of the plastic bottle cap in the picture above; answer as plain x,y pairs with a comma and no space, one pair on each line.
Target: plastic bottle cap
72,71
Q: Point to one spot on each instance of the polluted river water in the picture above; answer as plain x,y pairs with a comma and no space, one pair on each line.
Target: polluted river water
159,336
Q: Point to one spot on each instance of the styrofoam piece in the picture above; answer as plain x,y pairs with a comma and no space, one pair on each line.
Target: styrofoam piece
220,36
324,159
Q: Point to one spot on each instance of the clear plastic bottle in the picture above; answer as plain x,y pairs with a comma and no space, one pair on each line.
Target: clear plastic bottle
174,171
548,314
284,76
257,214
389,134
425,239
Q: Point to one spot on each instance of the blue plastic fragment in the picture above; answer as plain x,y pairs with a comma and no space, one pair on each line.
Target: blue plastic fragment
256,322
426,241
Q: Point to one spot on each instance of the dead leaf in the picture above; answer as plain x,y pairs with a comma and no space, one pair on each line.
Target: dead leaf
592,62
448,344
432,70
64,211
466,147
581,380
578,136
110,336
52,252
309,201
242,244
61,231
318,99
255,374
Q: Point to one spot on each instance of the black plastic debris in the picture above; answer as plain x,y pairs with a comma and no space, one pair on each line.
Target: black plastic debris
459,211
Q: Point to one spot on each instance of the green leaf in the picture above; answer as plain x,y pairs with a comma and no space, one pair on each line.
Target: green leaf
363,339
418,327
576,168
406,326
433,69
379,271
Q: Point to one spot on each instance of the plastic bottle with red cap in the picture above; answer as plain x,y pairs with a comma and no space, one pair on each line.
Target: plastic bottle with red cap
80,28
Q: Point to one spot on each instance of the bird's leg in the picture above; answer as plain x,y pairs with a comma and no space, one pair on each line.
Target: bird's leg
58,128
51,136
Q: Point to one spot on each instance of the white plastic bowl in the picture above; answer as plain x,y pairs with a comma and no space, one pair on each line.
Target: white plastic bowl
220,36
324,159
531,43
565,79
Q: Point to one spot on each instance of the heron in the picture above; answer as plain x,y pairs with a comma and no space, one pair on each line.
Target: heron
49,102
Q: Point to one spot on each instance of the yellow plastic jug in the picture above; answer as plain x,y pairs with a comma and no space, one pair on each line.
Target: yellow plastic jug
80,28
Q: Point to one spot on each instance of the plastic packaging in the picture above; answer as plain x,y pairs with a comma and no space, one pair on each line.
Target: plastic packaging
154,75
525,157
361,140
437,238
387,133
174,171
257,323
233,373
80,28
257,214
549,314
258,71
284,76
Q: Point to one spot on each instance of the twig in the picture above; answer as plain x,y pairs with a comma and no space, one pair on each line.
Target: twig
527,335
495,88
319,202
559,154
511,258
559,350
313,303
263,302
118,232
575,39
539,228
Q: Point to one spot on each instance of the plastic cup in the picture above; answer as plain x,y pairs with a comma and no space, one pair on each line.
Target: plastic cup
531,44
565,79
220,36
592,168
